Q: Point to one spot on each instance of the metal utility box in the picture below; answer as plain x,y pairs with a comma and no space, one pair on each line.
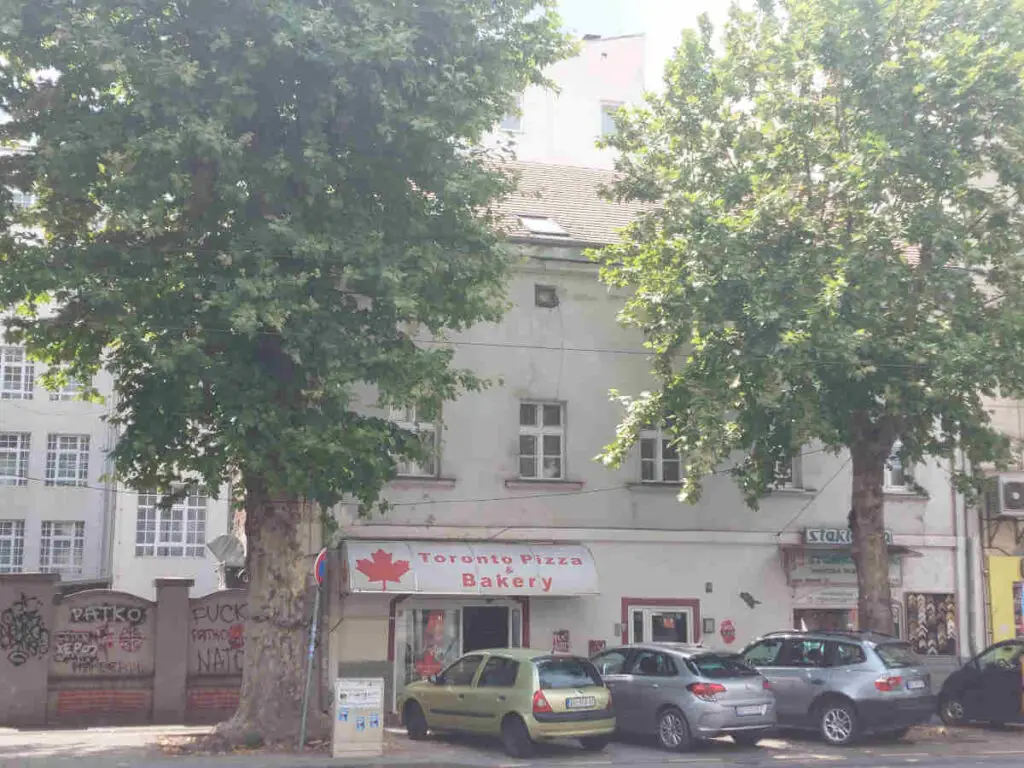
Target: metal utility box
358,717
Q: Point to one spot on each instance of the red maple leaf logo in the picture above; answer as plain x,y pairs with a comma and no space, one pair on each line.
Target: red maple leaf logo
383,568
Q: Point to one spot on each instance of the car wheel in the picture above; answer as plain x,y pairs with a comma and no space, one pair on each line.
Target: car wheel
673,732
837,722
747,739
516,738
951,711
595,743
415,722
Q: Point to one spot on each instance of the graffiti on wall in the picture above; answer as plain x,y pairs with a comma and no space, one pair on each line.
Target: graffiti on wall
23,634
217,636
103,638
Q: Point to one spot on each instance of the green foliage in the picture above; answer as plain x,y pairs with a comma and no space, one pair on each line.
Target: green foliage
790,172
247,210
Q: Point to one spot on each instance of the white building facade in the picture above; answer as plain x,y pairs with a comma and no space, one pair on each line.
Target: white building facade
517,535
60,512
561,124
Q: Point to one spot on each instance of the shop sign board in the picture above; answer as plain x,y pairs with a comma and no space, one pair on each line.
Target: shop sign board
820,567
470,568
834,537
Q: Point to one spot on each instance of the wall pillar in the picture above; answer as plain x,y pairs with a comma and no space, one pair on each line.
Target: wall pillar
26,642
170,681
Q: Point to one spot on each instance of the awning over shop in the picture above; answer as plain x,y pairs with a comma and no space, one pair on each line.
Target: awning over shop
469,568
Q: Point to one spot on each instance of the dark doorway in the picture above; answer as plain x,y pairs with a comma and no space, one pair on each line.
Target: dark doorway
484,628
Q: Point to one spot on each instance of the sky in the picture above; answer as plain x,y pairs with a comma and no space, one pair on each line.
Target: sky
662,21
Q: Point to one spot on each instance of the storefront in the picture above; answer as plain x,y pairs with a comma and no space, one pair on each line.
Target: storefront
1006,596
823,578
445,598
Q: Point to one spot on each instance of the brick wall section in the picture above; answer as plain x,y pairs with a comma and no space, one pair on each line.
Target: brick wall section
100,657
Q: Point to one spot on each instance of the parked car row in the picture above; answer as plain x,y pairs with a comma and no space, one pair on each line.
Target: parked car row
841,684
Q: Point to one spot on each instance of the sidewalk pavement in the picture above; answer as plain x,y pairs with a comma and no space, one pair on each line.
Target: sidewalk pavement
154,746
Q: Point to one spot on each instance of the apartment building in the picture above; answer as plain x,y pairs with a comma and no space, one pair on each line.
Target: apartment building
513,534
561,124
60,511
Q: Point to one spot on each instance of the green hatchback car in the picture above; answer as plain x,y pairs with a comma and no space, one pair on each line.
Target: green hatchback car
520,695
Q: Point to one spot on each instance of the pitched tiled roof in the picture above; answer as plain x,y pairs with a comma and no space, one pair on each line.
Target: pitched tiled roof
569,196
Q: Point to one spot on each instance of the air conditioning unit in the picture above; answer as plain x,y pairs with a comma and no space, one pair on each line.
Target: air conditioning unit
1004,496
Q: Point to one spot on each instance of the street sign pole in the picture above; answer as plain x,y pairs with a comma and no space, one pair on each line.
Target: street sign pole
319,570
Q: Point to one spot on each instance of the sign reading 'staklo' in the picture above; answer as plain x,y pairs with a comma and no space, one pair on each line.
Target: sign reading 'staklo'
477,568
834,537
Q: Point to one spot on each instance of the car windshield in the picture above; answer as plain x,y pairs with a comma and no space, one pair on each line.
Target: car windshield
716,665
896,655
567,673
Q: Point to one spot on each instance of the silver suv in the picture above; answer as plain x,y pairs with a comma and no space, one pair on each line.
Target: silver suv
844,684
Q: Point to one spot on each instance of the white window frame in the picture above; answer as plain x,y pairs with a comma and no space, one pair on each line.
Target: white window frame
73,449
540,435
408,419
21,199
175,531
791,479
893,465
512,121
71,390
12,546
62,547
608,110
647,614
16,446
17,374
656,440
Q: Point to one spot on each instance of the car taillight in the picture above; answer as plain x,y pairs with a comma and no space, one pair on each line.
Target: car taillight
887,684
705,691
540,703
766,685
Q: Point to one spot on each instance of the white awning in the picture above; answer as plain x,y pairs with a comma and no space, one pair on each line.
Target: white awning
469,568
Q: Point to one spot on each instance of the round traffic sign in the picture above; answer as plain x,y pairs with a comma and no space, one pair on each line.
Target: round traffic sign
320,566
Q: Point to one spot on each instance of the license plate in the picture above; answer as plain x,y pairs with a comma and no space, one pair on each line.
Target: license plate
915,685
748,711
581,702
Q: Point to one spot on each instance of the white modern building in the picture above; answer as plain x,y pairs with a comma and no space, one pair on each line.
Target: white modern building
561,124
60,512
514,534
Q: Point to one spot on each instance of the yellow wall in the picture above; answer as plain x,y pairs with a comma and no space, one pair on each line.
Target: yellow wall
1003,571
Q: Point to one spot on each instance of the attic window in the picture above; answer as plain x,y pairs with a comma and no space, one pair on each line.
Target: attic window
542,225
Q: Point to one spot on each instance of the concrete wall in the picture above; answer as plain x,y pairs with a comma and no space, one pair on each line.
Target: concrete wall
113,658
561,125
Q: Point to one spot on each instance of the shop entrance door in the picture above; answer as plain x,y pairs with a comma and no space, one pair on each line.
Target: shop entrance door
660,625
485,627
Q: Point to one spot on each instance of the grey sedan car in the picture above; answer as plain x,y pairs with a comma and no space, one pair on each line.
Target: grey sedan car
685,693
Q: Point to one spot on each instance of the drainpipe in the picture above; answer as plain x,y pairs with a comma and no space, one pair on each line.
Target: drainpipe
964,556
958,552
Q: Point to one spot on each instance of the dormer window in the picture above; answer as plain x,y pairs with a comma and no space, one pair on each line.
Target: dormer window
542,225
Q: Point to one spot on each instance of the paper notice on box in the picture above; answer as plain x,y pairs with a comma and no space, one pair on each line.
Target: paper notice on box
360,694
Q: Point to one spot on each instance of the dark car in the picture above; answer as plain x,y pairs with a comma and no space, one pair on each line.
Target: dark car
987,689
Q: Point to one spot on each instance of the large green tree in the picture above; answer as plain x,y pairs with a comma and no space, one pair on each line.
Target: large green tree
834,248
246,210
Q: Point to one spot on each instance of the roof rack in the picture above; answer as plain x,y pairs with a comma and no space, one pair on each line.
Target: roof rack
832,632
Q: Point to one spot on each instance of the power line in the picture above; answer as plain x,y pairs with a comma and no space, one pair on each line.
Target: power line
814,498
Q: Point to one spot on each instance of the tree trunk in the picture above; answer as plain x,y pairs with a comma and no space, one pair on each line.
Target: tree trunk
870,551
279,564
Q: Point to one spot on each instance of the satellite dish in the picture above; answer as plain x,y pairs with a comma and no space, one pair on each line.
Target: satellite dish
228,550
